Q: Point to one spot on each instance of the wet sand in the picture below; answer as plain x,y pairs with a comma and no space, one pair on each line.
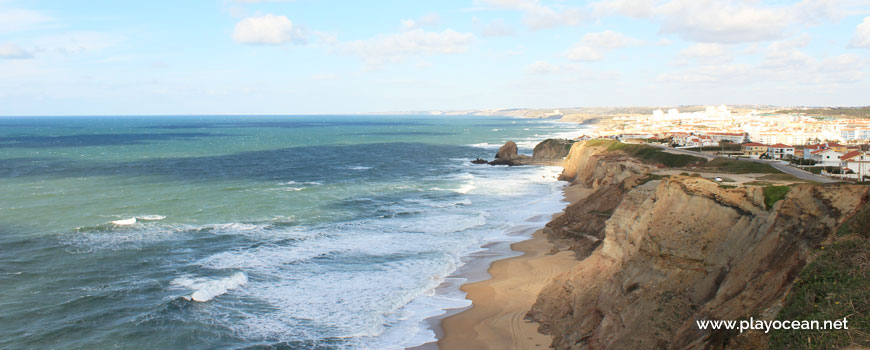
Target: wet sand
496,319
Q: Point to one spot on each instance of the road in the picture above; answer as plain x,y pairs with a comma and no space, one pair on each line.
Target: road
798,173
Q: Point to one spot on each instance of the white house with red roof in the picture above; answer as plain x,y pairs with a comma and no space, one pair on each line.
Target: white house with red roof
700,141
826,157
780,151
858,162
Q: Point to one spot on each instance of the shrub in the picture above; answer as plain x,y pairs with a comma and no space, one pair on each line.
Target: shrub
773,194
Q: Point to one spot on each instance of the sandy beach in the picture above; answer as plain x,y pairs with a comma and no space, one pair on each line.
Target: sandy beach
497,318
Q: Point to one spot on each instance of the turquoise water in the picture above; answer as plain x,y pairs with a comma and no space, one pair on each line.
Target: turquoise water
292,232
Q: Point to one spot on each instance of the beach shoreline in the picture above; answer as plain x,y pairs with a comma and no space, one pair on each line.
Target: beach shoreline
496,318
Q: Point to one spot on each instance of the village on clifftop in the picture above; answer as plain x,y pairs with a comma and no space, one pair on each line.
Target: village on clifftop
824,145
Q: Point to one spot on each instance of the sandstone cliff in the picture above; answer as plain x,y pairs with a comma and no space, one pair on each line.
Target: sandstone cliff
657,254
552,149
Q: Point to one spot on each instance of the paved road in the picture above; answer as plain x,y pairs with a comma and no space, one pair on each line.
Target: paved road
798,173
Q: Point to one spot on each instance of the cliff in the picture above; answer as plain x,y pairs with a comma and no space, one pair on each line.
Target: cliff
552,149
658,253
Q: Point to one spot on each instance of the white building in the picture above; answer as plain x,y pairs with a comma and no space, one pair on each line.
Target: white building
858,162
826,157
780,151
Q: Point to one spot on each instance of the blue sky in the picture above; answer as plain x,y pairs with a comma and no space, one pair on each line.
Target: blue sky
106,57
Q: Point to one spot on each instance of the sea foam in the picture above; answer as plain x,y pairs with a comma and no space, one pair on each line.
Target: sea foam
206,289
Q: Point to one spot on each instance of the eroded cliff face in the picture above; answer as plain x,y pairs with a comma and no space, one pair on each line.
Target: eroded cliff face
657,255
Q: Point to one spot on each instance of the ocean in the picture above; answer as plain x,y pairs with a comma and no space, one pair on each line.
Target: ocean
253,232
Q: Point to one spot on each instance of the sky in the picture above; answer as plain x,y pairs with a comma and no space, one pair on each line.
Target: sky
109,57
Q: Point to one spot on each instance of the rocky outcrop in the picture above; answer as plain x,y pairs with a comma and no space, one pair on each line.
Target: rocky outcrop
552,149
507,151
545,153
507,155
658,254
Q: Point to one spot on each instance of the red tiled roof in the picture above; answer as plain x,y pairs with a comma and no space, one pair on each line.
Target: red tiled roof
850,155
726,133
753,144
779,145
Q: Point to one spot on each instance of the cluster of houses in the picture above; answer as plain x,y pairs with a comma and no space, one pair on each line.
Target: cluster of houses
845,160
850,159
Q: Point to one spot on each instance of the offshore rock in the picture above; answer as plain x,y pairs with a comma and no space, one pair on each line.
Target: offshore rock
507,151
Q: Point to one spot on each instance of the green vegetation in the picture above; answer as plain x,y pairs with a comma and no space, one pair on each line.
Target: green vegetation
781,177
649,153
858,224
659,156
842,112
650,177
721,147
733,166
801,161
773,194
834,286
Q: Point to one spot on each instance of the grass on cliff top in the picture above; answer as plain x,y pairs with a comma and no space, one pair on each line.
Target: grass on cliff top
734,166
649,153
657,155
834,286
773,194
858,224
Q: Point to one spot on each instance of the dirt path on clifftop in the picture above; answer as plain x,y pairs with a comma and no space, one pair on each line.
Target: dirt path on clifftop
497,318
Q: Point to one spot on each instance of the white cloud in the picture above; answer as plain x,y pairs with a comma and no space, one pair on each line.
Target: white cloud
393,47
569,72
704,50
539,16
13,20
722,21
584,53
267,30
497,28
12,51
862,35
608,39
710,74
783,63
841,63
704,53
427,20
593,46
631,8
542,67
786,54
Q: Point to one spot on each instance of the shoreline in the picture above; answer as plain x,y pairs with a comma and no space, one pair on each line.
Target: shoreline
504,293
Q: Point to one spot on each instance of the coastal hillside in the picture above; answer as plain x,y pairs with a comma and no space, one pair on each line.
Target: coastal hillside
659,250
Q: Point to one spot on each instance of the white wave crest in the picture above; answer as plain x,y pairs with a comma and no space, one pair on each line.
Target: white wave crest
125,222
206,289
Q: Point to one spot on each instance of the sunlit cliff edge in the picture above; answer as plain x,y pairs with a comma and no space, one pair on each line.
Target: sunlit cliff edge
656,253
